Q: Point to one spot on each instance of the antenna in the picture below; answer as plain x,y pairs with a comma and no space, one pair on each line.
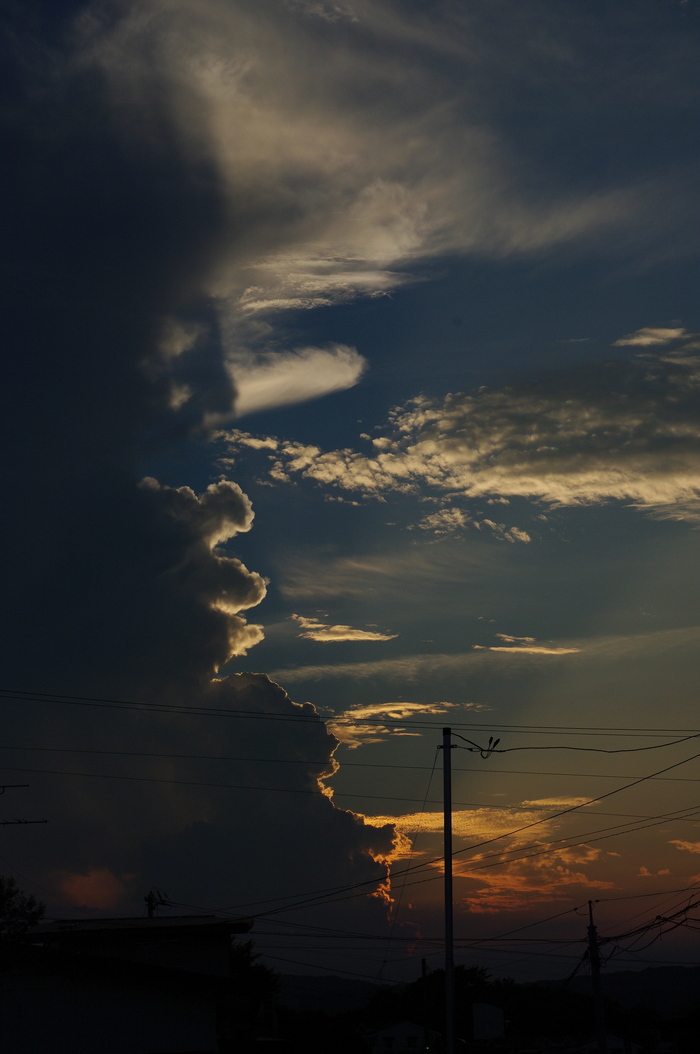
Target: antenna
10,823
156,898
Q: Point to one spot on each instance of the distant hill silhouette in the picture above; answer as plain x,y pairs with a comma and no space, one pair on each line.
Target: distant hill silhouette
326,993
670,990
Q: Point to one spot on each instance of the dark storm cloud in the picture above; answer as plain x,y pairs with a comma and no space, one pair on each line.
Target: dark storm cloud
115,584
171,176
107,237
301,835
233,834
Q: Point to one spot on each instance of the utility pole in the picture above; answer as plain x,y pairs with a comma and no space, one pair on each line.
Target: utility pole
424,974
156,898
594,959
447,748
449,928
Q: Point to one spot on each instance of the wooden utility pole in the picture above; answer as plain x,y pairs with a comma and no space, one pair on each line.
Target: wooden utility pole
449,928
594,959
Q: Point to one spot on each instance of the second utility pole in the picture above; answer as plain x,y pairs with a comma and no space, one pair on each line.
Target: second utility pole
449,937
594,959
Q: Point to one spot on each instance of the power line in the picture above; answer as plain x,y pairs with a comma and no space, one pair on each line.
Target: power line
325,762
334,932
593,750
323,895
10,823
691,889
555,846
504,807
315,718
638,896
574,808
346,718
616,831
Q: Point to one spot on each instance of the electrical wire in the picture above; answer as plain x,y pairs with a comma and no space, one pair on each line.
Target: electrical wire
315,718
557,846
348,718
324,895
638,896
343,764
616,831
502,807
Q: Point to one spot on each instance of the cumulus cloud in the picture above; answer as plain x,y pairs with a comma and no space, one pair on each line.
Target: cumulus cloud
444,521
507,534
97,890
180,175
198,526
290,801
156,154
624,432
184,805
314,629
450,520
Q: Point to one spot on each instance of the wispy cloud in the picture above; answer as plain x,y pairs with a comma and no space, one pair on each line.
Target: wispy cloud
620,433
409,668
282,379
363,724
330,193
511,884
524,646
545,879
651,336
314,629
485,821
528,649
402,575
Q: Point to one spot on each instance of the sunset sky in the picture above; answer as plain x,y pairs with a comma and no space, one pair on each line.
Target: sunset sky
352,389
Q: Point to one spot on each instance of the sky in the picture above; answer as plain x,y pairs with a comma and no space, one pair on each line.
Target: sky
351,390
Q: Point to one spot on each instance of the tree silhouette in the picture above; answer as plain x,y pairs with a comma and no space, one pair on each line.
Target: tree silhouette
18,912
